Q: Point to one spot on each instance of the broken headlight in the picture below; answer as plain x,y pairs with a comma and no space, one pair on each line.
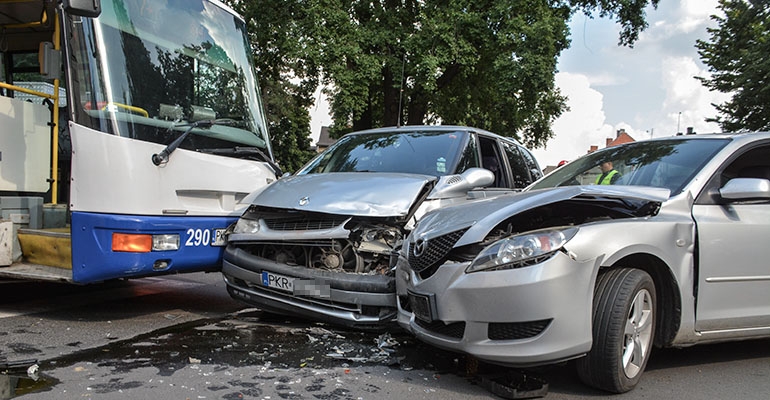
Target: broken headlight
513,251
246,226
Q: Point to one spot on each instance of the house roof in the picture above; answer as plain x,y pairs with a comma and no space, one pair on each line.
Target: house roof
323,139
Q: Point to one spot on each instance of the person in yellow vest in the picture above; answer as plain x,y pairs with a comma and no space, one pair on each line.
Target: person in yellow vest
609,174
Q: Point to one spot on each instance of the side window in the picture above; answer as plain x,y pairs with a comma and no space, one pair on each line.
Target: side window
753,163
534,168
519,166
491,159
25,72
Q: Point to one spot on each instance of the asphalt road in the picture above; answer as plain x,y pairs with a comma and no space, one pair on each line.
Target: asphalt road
182,337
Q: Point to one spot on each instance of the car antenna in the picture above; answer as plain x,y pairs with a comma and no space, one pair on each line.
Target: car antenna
401,93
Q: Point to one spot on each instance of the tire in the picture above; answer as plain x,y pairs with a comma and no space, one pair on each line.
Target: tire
623,330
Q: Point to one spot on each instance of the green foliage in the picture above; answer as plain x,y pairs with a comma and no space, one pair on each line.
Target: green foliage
484,63
629,14
287,79
289,121
737,57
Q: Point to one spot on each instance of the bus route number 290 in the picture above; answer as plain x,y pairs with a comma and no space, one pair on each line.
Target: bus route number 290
205,237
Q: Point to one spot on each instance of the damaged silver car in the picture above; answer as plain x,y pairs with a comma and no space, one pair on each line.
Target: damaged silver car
320,243
673,254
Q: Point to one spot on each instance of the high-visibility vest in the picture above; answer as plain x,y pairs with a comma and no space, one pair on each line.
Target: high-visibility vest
607,178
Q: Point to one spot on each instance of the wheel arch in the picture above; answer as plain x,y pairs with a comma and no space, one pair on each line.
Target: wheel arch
669,300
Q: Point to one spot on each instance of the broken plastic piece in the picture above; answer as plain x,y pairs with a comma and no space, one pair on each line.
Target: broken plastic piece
514,385
18,365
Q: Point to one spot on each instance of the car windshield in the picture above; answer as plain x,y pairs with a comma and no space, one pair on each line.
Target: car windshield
668,164
416,152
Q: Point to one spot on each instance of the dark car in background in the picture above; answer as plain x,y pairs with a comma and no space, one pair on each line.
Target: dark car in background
320,244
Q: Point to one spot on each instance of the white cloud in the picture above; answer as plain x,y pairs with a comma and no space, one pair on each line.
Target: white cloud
688,95
691,16
606,78
576,130
700,10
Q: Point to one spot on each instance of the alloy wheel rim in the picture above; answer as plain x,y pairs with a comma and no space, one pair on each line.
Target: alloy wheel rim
637,334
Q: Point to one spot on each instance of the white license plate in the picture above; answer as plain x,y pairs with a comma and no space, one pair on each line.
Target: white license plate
276,281
219,237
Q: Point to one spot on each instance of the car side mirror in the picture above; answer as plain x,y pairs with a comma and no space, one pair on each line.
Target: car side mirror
478,177
746,189
460,185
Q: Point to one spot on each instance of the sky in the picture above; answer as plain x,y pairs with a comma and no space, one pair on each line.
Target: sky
649,90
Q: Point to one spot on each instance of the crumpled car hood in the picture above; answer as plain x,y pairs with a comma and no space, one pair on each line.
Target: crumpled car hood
480,216
377,194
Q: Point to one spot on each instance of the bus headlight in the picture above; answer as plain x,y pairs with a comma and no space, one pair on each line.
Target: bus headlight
165,242
515,251
246,226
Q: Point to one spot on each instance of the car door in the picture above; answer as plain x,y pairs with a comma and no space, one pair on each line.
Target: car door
733,288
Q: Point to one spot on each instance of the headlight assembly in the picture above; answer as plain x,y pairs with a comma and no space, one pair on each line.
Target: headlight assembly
246,226
514,251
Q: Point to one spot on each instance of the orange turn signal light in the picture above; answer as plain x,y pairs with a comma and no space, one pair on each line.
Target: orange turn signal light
131,242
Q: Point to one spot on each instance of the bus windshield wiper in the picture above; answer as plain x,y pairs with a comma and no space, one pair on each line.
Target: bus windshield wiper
246,152
162,157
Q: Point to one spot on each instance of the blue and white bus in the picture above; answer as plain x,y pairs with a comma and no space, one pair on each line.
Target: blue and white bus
129,132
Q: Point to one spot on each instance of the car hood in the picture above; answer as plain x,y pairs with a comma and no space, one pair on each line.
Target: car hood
480,216
377,194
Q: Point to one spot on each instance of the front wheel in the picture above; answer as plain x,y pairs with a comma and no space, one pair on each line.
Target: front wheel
623,330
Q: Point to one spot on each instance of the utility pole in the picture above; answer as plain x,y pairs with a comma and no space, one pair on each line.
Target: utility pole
678,132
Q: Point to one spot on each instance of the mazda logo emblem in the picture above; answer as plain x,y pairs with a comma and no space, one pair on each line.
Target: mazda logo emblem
419,247
303,201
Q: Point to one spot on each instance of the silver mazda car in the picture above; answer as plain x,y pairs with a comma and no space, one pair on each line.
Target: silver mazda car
320,243
672,253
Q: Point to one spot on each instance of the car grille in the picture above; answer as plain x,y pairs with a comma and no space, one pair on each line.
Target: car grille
516,330
303,224
435,252
454,330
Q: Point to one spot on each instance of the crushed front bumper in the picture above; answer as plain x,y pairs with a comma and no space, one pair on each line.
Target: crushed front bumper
348,299
521,317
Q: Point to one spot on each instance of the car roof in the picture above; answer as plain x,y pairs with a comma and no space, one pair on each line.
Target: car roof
431,128
738,136
737,139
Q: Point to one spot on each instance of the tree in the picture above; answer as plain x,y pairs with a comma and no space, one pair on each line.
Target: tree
736,55
484,63
288,81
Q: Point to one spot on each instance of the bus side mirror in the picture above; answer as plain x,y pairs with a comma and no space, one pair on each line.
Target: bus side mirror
83,8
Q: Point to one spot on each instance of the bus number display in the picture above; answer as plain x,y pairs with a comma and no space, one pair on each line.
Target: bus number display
205,237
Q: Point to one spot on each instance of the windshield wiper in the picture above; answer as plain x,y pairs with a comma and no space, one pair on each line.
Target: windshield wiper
162,157
246,152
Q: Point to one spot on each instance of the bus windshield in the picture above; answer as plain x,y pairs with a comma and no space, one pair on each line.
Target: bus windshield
146,70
